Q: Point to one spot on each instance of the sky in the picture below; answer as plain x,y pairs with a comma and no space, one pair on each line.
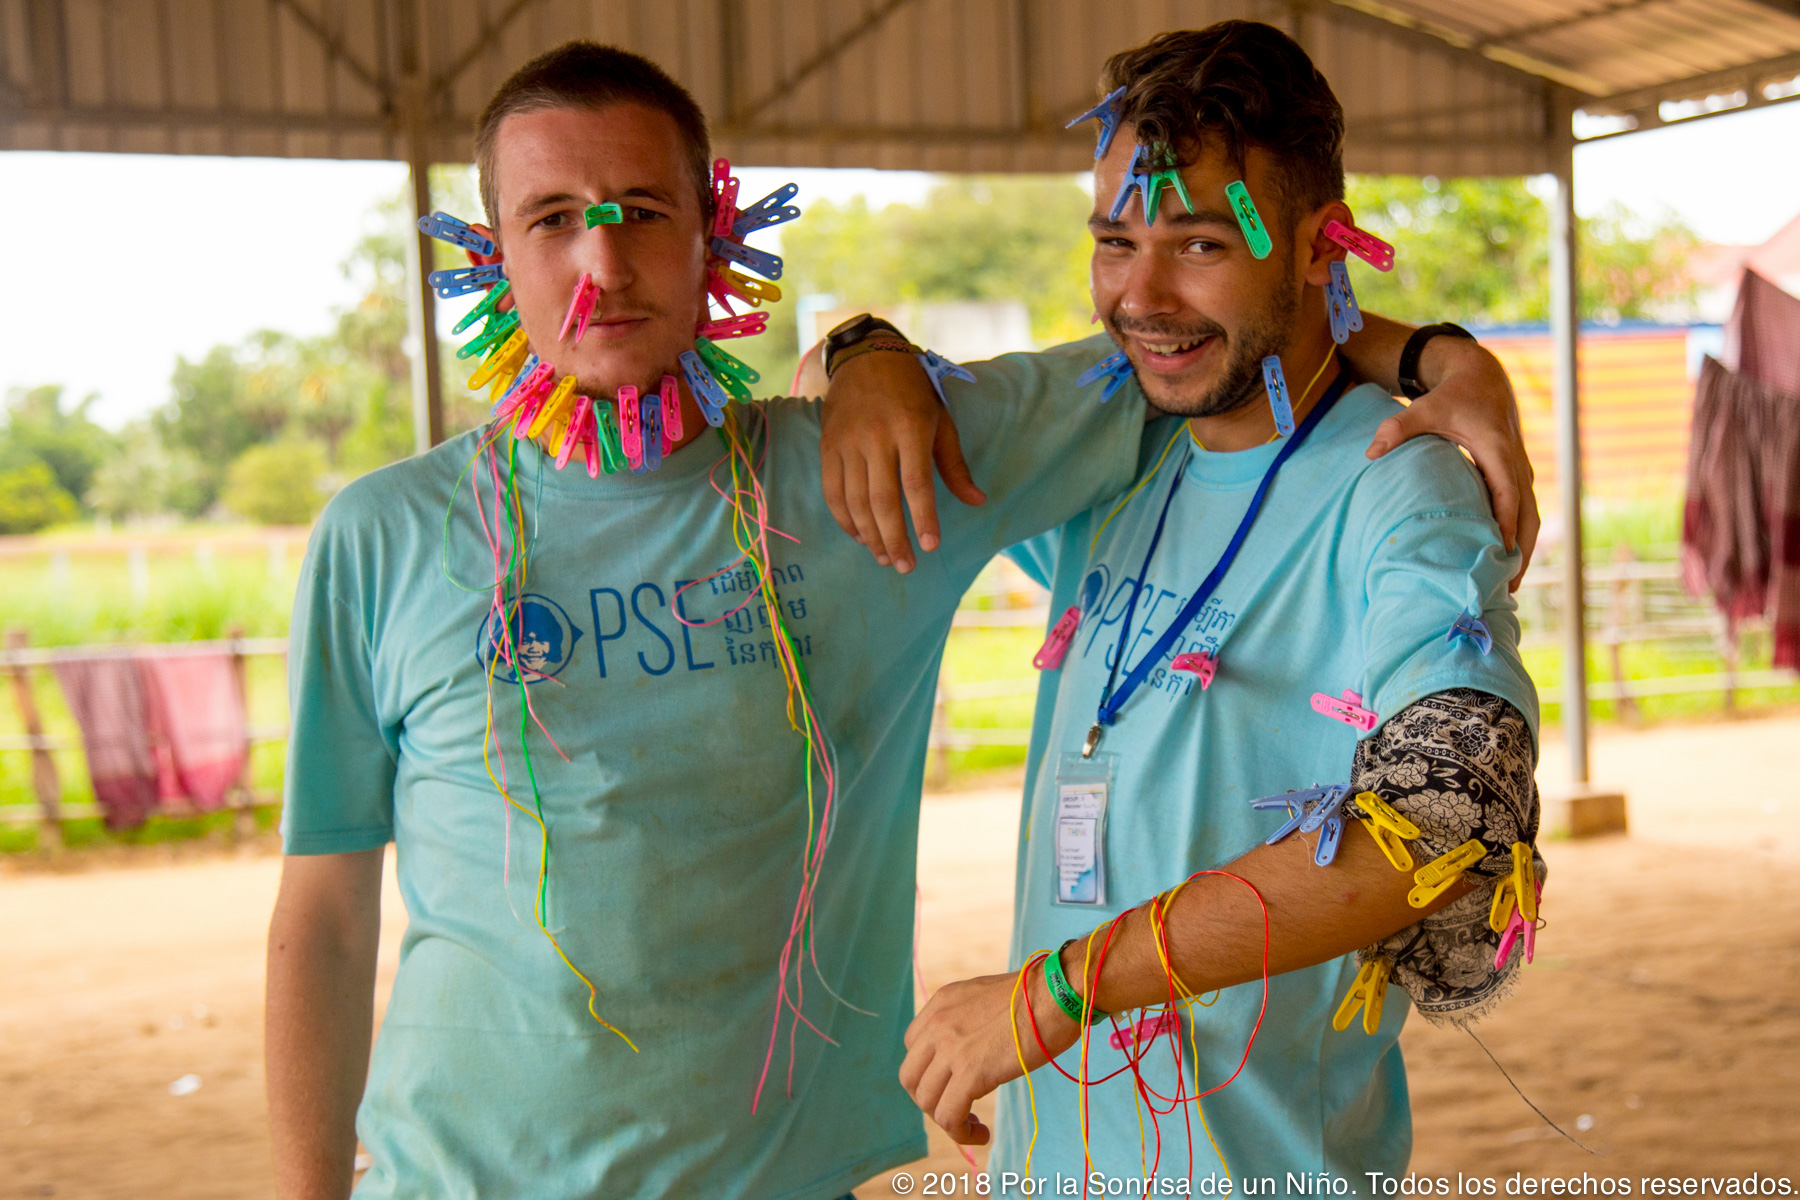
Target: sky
182,254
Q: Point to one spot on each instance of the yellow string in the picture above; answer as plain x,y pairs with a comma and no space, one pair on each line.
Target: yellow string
1019,1049
1163,904
1304,392
1134,491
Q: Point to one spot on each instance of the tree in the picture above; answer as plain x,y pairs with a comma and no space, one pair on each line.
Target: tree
145,477
31,499
40,429
277,483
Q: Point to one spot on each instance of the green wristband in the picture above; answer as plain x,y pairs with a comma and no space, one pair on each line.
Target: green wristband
1066,997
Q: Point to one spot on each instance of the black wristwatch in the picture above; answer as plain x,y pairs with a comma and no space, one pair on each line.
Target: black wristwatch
1410,387
855,331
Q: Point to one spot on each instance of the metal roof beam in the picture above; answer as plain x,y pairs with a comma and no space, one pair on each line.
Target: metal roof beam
1744,78
1464,44
870,21
335,48
448,75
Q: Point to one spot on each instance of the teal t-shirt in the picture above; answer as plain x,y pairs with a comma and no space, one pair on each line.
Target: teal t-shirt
677,819
1349,579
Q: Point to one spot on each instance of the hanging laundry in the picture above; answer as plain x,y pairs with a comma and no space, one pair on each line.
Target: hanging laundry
1762,338
195,712
106,696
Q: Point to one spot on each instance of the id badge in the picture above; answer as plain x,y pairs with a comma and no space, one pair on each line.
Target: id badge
1083,787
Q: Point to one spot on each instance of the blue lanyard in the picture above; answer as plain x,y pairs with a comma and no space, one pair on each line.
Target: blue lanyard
1112,701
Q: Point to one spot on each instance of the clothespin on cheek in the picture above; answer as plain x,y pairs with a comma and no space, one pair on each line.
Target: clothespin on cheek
1200,663
1250,222
1349,710
631,426
747,325
1360,242
1056,643
671,413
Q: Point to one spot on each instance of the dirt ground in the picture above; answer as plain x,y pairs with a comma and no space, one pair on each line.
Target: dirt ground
1664,1006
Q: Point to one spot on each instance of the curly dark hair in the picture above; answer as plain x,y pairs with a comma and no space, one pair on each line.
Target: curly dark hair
1246,83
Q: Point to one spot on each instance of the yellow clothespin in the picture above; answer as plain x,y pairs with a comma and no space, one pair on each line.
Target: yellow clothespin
1524,880
510,353
752,291
556,408
1388,828
1500,912
1367,993
1437,875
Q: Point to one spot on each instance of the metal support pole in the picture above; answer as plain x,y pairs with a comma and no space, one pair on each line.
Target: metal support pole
413,93
1564,325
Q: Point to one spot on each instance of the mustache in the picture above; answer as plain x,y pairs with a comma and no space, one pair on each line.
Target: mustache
1166,331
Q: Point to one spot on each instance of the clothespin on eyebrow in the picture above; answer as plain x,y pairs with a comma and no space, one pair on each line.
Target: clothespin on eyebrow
573,433
745,325
671,413
446,228
1134,180
556,409
1517,926
581,305
650,417
1341,306
512,349
1390,830
711,398
631,425
1200,663
1115,368
938,368
1107,113
761,261
612,454
1470,625
488,305
1349,710
1275,384
725,192
1434,877
725,364
1056,643
603,214
1360,242
772,209
1167,174
460,281
498,330
1256,234
1367,993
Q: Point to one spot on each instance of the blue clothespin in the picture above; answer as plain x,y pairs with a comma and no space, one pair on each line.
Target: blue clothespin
707,393
1135,178
1340,301
1115,368
761,261
460,281
1326,806
1329,839
446,228
530,365
1310,808
940,369
650,423
1471,626
1275,383
1107,113
772,209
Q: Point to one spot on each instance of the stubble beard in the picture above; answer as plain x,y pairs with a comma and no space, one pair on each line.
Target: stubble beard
1263,334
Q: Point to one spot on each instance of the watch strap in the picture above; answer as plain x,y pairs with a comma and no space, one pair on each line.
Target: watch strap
855,331
867,346
1410,385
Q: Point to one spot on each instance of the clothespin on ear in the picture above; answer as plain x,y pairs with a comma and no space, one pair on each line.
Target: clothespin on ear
1275,384
1341,306
446,228
1115,368
1367,993
1470,625
761,261
1107,113
1135,180
724,284
1360,242
1432,879
1167,174
1200,663
1256,234
725,192
650,420
671,413
772,209
497,331
488,305
631,425
581,305
746,325
460,281
938,368
726,365
603,214
711,398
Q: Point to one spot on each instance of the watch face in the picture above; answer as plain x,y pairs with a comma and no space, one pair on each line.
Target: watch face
849,326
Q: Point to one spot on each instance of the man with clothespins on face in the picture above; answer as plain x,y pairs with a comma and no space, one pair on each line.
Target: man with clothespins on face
1274,657
649,741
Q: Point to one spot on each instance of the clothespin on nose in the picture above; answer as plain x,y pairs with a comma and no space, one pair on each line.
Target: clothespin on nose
711,398
1349,709
489,304
1275,384
603,214
1056,643
1390,830
1360,242
460,281
1200,663
631,425
746,325
1115,368
1341,306
725,193
1135,180
1107,113
938,368
1470,625
446,228
772,209
1435,877
1367,993
1256,234
671,413
581,305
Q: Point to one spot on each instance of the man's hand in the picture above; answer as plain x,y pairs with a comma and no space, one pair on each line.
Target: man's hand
1471,403
961,1046
884,427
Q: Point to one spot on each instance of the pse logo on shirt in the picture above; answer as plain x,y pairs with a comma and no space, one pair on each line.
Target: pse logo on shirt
542,635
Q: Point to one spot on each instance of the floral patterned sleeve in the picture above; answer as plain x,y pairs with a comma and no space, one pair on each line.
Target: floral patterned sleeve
1459,765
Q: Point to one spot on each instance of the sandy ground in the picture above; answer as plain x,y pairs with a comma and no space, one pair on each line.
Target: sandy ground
1664,1005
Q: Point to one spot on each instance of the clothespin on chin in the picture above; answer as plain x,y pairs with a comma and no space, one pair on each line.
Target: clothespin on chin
650,418
746,325
1360,242
772,209
460,281
1107,113
939,368
725,193
446,228
631,425
1470,625
1056,643
1340,305
1275,384
1349,709
1115,368
1200,663
1135,180
1250,222
581,305
1367,993
557,409
671,413
1435,877
574,432
711,397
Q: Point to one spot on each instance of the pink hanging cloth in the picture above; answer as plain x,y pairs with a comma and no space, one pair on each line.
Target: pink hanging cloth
106,696
198,730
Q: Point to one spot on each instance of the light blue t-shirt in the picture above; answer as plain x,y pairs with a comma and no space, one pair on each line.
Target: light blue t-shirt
1349,579
677,821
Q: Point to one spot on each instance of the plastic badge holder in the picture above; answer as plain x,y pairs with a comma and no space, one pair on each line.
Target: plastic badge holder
1471,626
1200,663
1115,368
747,325
1275,384
1349,710
772,209
446,228
460,281
1248,219
761,261
1364,245
1056,644
1107,113
603,214
938,368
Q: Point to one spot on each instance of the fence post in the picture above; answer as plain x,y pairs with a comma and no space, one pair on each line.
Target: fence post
1728,650
939,775
1618,617
43,767
243,824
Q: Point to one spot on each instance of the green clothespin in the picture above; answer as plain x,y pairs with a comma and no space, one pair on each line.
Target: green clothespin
496,332
612,450
1167,174
1248,219
604,214
485,307
724,364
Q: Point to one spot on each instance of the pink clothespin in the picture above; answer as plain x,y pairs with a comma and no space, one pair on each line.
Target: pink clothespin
747,325
580,305
1349,710
1056,643
1363,244
1148,1029
1200,663
1516,927
725,194
671,413
581,422
521,404
631,425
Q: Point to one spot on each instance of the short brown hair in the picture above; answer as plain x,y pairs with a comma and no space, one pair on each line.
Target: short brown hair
588,75
1246,83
